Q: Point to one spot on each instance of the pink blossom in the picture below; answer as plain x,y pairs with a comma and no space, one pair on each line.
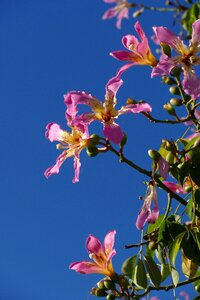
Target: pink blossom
100,254
71,144
139,52
186,58
163,166
104,112
178,188
121,10
145,214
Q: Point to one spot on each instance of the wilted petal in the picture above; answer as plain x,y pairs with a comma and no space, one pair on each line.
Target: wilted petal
175,187
153,216
142,217
113,132
191,84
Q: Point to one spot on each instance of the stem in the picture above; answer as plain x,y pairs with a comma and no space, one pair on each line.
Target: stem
148,116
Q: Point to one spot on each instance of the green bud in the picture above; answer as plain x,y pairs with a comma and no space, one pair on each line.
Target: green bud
94,139
174,90
130,101
168,80
110,297
109,284
197,288
176,101
166,49
188,189
98,292
92,151
154,155
123,141
100,285
169,108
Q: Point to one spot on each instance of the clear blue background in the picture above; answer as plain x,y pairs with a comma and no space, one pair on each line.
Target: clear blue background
49,47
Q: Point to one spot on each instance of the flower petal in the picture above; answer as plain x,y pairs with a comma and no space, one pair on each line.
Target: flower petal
86,267
55,169
195,33
109,241
124,13
135,108
52,132
113,85
110,13
77,166
113,132
175,187
191,84
94,246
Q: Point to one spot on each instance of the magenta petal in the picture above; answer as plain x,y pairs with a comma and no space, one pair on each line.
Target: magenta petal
175,187
166,36
93,245
85,267
129,40
52,132
124,68
110,13
163,167
109,241
122,14
113,132
122,55
191,84
77,166
113,85
139,30
195,33
55,169
142,218
153,216
164,66
135,108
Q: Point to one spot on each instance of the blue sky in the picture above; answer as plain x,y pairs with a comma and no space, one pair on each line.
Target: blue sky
47,48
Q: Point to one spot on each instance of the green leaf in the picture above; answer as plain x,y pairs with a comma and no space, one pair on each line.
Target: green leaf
190,248
140,278
189,208
190,16
194,172
128,267
156,225
165,271
175,247
175,276
153,270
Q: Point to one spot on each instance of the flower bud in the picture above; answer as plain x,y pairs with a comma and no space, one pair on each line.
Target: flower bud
168,80
110,297
94,139
176,101
98,292
188,189
123,141
169,108
92,151
154,155
174,90
100,285
109,284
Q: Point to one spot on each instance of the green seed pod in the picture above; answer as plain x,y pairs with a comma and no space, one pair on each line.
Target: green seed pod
99,292
92,151
100,285
94,139
110,297
176,102
168,80
109,284
154,155
174,90
169,108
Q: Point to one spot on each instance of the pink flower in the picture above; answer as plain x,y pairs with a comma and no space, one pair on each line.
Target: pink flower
72,144
120,11
163,166
139,52
186,58
103,112
178,188
100,254
145,214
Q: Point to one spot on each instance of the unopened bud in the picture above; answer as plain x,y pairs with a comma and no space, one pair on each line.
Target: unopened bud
100,284
138,12
59,146
123,141
169,108
109,284
174,90
168,80
110,297
188,189
92,151
154,155
94,139
176,101
130,101
98,292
